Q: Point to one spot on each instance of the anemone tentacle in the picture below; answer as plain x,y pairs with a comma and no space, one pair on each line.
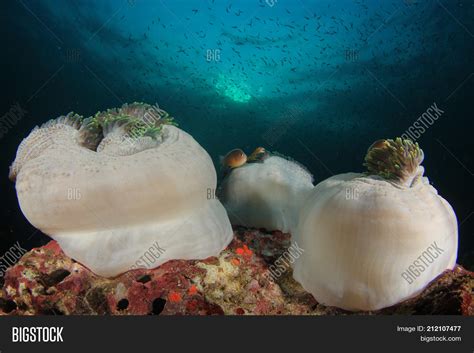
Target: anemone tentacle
397,160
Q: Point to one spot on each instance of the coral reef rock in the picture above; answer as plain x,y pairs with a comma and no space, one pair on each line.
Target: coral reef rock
238,282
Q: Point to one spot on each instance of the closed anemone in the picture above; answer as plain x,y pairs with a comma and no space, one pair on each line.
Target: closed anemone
373,240
267,194
115,186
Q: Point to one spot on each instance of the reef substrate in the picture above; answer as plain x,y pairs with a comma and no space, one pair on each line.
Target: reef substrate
241,281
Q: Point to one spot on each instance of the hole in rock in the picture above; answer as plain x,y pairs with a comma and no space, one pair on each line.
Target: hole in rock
54,277
144,279
7,305
122,304
157,306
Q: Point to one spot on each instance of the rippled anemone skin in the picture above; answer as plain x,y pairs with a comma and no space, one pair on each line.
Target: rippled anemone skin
109,187
361,232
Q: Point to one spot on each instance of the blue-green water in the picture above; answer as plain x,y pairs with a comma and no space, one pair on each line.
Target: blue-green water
318,81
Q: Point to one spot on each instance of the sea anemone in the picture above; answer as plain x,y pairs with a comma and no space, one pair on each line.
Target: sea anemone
373,240
267,194
110,187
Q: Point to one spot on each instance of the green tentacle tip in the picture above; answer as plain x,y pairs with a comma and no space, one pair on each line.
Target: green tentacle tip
133,120
75,117
397,159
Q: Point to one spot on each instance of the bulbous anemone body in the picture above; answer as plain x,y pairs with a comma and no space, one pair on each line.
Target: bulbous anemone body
107,207
370,243
266,195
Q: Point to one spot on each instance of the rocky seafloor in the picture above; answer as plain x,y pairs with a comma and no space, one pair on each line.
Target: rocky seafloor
238,282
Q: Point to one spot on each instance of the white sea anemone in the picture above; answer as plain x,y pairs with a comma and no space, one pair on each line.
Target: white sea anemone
373,240
110,187
266,194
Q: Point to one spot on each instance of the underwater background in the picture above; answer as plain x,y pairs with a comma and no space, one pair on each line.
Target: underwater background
315,80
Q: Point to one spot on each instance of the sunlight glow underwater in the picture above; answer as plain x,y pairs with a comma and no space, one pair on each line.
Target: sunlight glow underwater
235,90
